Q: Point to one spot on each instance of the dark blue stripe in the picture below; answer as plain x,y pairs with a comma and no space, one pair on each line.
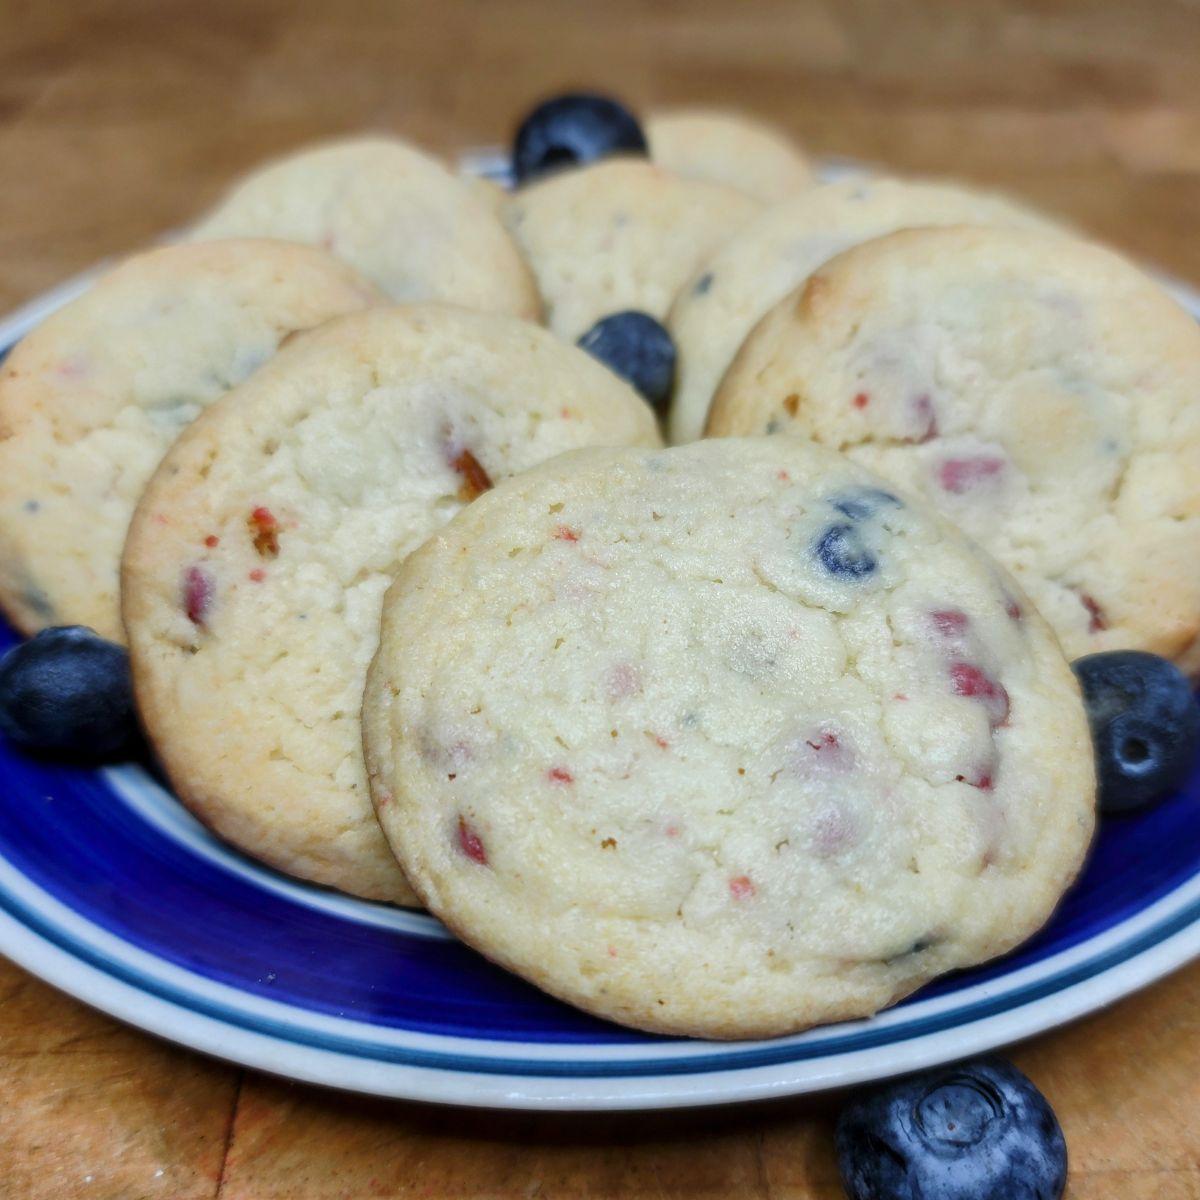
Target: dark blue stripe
737,1060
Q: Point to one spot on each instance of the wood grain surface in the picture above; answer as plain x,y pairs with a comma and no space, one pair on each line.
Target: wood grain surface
119,121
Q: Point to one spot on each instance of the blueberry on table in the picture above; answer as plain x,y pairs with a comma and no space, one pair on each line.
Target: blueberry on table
640,350
570,130
68,692
976,1131
1145,726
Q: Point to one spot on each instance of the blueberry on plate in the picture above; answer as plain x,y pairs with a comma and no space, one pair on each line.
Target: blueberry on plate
68,692
570,130
975,1131
1145,726
639,349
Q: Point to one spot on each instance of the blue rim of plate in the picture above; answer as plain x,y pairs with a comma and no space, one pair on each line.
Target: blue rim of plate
110,891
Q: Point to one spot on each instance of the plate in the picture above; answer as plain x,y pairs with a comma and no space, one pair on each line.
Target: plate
110,891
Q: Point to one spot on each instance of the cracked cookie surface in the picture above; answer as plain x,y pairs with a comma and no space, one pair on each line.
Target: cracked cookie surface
1039,390
258,558
737,285
617,235
391,211
724,740
93,397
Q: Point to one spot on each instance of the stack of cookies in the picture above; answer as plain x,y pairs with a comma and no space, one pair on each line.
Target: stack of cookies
725,739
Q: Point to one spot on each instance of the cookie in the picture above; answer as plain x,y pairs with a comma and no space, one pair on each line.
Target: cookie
725,147
777,251
619,234
492,193
725,740
396,214
92,398
258,558
1037,389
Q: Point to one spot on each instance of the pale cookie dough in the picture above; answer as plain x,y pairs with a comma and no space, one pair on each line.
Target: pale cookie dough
397,214
92,398
258,558
726,147
619,234
1037,389
725,740
779,249
492,193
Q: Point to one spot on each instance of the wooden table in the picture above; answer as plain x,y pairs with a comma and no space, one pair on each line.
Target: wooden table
118,121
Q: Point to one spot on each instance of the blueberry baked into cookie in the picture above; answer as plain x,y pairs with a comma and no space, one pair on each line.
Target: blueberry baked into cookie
726,740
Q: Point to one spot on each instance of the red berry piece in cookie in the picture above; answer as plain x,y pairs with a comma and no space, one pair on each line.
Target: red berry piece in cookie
264,532
971,681
470,843
741,887
199,589
1097,620
960,475
475,480
950,623
923,419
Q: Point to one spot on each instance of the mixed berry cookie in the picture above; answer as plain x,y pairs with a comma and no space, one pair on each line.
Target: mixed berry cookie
90,401
724,740
1037,389
724,147
778,250
258,558
620,234
393,212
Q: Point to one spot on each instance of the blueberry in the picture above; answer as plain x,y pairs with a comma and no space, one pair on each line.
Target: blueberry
570,130
976,1131
637,348
862,503
68,692
841,551
1145,726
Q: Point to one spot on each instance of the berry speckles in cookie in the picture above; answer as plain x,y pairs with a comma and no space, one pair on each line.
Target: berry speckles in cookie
196,594
757,730
92,399
1037,389
257,563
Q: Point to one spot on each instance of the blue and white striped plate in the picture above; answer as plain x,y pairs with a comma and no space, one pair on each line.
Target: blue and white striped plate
112,892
